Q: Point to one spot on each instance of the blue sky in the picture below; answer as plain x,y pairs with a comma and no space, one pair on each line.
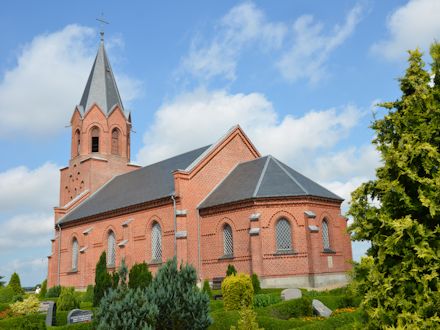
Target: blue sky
301,78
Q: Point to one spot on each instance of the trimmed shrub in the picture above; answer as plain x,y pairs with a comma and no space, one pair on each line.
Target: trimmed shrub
263,300
14,284
140,276
103,280
181,304
247,321
76,326
292,308
237,292
207,288
53,292
6,294
224,319
26,322
61,317
256,283
43,290
88,295
28,306
67,300
231,270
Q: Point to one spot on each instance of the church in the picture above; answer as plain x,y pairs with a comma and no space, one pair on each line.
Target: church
216,205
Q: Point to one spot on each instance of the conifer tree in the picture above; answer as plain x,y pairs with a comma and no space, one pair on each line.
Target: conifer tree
140,276
2,283
399,211
103,280
14,284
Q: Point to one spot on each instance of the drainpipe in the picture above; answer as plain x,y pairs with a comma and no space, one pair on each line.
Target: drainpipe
175,226
59,253
199,256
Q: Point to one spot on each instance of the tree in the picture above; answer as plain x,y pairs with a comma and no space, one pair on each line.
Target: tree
231,270
399,211
14,284
140,276
43,290
2,283
103,280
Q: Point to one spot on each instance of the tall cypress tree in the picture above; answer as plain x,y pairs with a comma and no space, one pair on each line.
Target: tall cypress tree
399,211
14,284
103,280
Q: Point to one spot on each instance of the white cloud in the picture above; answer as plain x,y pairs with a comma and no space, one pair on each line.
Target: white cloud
39,94
312,46
35,189
31,271
241,27
291,139
416,24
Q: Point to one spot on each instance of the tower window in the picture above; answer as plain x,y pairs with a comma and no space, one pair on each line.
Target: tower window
115,141
95,139
78,141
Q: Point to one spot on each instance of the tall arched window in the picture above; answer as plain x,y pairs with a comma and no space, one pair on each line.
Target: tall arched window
75,251
325,235
77,141
228,242
115,141
111,249
95,139
156,242
283,235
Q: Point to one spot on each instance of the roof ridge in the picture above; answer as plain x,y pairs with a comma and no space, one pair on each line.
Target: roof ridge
290,176
260,179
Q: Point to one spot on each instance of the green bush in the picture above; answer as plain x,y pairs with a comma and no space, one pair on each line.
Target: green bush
67,300
207,288
140,276
103,280
237,292
26,322
271,323
224,320
263,300
3,306
6,294
61,317
291,308
28,306
43,290
53,292
247,321
88,295
256,283
181,304
75,326
14,284
231,270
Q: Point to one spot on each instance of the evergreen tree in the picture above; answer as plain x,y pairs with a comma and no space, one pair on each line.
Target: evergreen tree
140,276
14,284
231,270
43,290
103,280
399,211
2,283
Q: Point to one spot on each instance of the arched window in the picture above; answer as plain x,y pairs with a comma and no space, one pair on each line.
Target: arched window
283,235
115,141
228,243
77,141
75,251
325,235
111,249
156,242
95,139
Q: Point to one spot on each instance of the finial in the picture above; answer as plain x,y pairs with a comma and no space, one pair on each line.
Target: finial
102,21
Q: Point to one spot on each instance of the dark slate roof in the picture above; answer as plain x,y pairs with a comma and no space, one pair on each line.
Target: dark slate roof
149,183
101,86
264,177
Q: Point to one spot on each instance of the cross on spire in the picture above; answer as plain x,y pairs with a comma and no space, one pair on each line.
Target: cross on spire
102,21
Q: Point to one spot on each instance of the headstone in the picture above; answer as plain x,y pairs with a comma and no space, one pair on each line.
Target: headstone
320,309
79,316
50,308
289,294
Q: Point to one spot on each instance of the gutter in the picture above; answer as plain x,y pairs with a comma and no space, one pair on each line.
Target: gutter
199,256
175,225
59,253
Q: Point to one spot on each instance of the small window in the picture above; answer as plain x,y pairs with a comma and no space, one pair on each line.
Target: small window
115,141
75,254
156,242
111,249
228,243
283,236
78,142
325,235
95,139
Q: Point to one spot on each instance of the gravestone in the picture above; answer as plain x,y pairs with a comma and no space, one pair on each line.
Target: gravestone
79,316
320,309
289,294
50,308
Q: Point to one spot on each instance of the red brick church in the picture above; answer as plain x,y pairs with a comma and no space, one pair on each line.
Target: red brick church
212,206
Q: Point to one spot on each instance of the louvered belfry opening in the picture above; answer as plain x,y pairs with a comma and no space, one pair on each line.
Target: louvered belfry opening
283,236
95,139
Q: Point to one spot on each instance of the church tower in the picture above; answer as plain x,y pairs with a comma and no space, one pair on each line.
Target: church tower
100,146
